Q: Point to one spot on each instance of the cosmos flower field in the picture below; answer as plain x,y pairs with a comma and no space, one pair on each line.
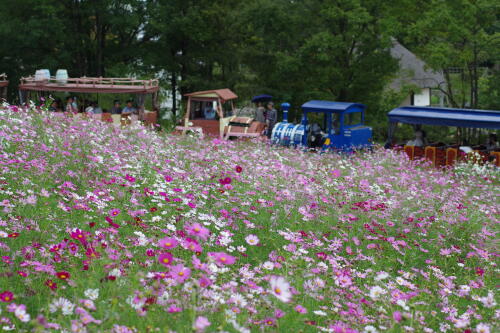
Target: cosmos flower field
105,229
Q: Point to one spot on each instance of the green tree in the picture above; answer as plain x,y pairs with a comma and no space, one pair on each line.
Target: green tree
457,34
313,49
88,37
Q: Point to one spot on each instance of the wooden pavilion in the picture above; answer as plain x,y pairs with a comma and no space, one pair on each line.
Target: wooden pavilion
91,85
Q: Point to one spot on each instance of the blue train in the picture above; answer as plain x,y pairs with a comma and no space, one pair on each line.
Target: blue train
337,126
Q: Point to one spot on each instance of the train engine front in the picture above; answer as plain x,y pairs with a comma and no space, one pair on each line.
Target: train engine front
325,125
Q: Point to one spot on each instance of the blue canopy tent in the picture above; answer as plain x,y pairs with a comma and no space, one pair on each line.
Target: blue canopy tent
415,115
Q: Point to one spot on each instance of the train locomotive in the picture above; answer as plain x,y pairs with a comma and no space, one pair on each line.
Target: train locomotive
340,129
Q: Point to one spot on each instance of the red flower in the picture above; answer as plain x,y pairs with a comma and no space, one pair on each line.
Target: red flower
6,296
479,271
51,284
239,169
63,275
14,235
153,209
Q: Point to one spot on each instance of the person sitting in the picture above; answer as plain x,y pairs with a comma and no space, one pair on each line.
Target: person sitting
96,109
89,108
71,105
129,108
419,140
54,106
209,112
492,142
116,109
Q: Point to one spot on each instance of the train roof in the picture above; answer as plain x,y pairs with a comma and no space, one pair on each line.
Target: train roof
330,106
416,115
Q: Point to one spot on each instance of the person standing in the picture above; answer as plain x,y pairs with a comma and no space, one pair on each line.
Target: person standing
271,116
259,115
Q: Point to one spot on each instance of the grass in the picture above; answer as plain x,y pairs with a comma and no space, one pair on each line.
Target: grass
335,227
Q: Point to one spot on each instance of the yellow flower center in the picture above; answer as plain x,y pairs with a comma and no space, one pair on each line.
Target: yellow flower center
168,244
197,229
7,298
181,273
223,259
277,290
166,261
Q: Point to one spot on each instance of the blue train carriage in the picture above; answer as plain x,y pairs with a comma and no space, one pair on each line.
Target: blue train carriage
335,126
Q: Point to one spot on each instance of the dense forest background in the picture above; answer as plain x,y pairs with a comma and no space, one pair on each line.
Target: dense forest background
294,50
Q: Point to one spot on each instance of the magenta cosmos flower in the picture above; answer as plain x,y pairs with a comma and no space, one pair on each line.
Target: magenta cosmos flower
222,258
168,243
198,230
165,258
6,296
192,245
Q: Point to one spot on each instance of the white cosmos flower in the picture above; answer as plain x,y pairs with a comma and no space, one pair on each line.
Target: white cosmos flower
63,304
22,315
376,291
252,240
268,265
92,294
320,313
280,288
381,276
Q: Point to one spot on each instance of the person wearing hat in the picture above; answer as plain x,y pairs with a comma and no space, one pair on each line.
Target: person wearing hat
116,109
271,116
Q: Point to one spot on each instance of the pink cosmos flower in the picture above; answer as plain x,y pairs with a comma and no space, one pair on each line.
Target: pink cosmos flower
238,169
396,315
201,323
222,258
192,245
174,309
180,273
300,309
165,258
198,230
252,240
114,212
168,243
204,281
280,288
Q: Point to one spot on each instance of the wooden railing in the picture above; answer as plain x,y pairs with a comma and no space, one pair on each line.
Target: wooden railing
96,81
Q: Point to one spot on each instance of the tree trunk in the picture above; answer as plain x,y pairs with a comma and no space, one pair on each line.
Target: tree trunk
100,42
173,83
